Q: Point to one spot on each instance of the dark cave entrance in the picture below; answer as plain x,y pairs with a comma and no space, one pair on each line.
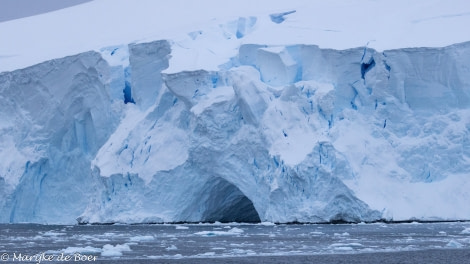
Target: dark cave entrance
226,203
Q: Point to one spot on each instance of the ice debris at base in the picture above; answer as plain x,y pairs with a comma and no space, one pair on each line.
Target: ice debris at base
107,250
454,244
141,238
277,134
232,231
114,251
466,231
81,250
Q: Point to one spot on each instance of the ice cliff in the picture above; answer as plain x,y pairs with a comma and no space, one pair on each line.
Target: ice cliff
55,117
276,133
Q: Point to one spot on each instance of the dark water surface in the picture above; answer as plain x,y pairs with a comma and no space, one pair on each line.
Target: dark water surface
236,243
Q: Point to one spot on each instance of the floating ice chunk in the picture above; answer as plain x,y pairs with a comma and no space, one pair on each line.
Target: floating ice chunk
114,251
236,230
91,238
267,224
52,233
344,248
210,233
466,231
346,245
141,238
207,254
181,227
233,231
465,240
454,244
82,250
172,247
239,251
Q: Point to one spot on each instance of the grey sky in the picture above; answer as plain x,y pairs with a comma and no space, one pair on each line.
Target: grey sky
13,9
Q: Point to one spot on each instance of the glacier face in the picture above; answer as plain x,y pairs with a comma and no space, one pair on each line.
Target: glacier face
278,133
55,117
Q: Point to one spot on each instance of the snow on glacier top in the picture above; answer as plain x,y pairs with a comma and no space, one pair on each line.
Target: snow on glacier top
205,26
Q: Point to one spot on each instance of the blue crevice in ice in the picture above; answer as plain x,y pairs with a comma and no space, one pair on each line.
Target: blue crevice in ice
255,164
114,51
388,68
214,79
428,177
319,152
195,93
127,87
353,104
276,162
364,52
330,121
128,93
123,148
278,18
367,66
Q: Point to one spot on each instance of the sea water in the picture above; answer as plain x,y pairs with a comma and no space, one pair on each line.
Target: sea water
236,243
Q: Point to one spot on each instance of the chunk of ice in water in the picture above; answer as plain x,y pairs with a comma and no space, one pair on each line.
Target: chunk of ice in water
454,244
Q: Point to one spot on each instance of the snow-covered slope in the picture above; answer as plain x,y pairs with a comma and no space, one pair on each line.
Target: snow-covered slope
338,24
233,114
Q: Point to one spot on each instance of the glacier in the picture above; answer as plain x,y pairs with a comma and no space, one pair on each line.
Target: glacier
278,133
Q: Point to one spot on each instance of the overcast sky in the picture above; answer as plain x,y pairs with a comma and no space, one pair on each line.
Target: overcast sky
12,9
